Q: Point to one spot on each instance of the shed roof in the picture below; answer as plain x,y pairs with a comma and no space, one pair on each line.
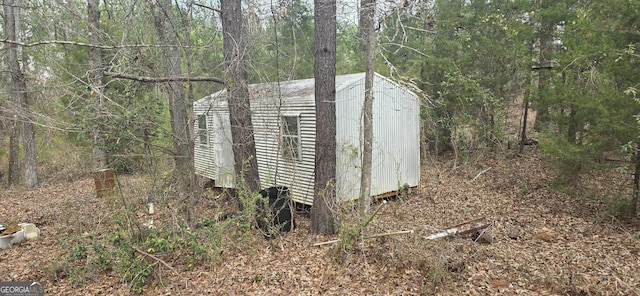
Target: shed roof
302,88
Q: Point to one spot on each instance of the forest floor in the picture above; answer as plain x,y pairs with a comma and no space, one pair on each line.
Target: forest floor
542,242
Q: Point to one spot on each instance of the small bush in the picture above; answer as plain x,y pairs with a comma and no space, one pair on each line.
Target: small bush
622,207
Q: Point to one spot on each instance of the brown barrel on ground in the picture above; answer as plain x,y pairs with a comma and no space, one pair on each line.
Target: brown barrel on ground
105,180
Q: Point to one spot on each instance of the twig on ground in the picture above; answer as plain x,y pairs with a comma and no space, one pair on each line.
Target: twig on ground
156,258
367,237
474,229
480,173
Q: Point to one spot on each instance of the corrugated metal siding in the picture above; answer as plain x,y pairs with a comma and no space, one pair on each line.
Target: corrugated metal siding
276,170
215,160
396,137
204,158
349,100
273,168
396,159
223,147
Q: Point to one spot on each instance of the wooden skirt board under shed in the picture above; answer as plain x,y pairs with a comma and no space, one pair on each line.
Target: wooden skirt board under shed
394,193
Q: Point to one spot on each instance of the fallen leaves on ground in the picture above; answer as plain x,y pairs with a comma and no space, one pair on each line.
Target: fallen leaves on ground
543,242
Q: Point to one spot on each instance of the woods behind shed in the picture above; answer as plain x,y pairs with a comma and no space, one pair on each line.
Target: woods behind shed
284,122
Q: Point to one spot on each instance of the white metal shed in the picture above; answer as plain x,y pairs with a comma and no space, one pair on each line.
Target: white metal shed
284,129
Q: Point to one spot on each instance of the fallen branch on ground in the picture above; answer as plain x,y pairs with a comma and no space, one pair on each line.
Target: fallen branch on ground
480,173
457,229
474,229
156,258
367,237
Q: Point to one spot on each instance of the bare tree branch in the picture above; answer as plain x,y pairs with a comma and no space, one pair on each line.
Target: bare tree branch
156,259
10,43
162,79
207,7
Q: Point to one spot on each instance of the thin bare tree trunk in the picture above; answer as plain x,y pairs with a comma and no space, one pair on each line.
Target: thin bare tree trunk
322,215
187,23
20,102
367,43
179,105
96,73
633,211
525,117
235,52
9,8
14,151
545,62
29,148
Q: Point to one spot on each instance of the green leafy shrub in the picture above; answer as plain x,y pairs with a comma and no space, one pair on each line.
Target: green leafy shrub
622,207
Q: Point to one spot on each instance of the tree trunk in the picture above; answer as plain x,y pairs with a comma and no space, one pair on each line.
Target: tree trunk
187,23
179,105
572,128
20,103
545,62
367,43
29,148
322,217
9,8
235,52
14,150
525,116
96,73
633,207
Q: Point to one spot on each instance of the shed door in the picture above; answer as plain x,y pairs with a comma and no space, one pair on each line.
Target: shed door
223,149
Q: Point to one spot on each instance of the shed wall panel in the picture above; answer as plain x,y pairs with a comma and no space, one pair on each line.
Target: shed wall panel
274,168
349,100
395,155
204,158
396,138
215,159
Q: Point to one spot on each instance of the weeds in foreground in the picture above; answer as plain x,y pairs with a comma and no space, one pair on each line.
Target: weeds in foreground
137,252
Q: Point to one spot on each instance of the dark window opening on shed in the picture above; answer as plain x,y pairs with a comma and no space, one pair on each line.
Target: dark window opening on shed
291,137
202,129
